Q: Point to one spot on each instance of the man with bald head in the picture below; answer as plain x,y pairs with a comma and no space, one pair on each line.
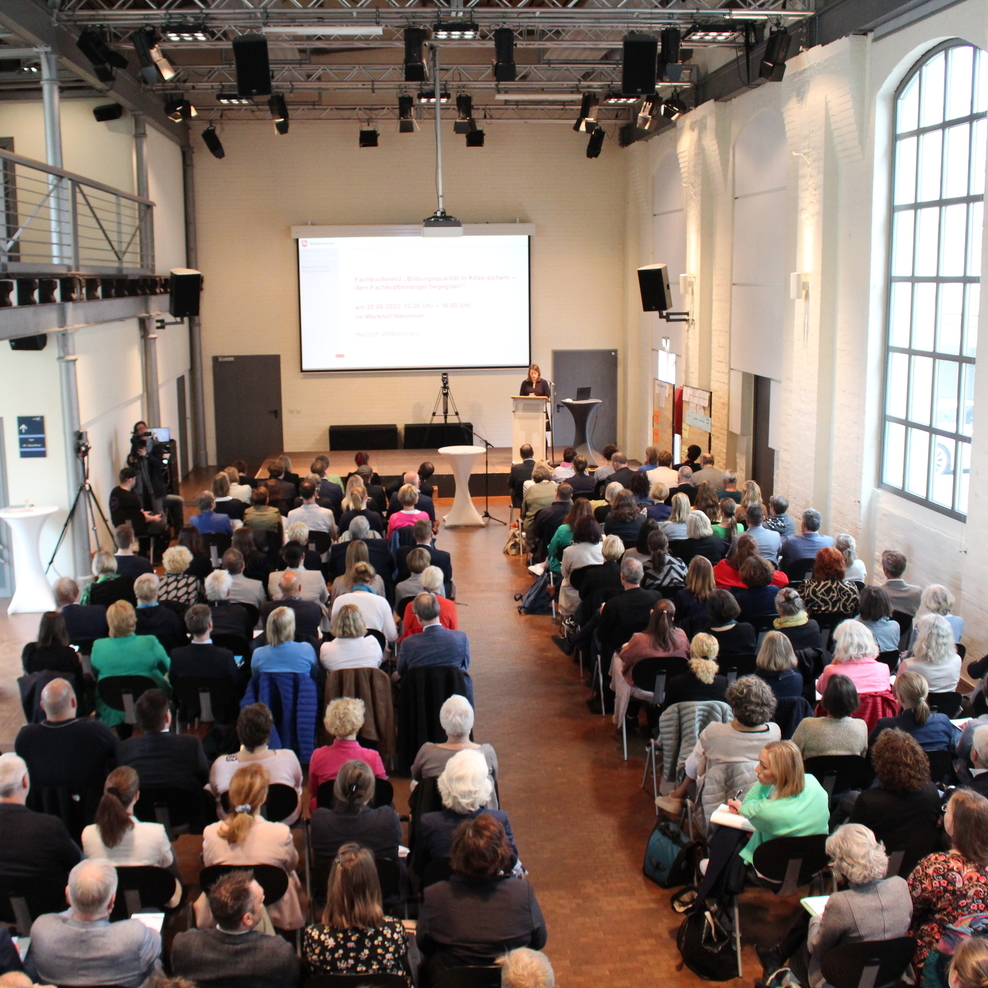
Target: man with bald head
82,947
34,846
308,613
423,504
66,750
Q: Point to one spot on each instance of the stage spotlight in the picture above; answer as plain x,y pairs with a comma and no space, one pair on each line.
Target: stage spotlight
155,67
250,55
595,143
639,65
108,111
406,122
279,113
233,99
368,138
475,139
617,99
183,32
429,96
504,55
455,30
464,115
713,34
773,66
646,114
102,56
414,61
212,141
179,108
674,107
586,121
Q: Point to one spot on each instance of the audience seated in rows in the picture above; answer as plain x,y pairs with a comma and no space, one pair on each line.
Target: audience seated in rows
283,653
932,730
108,585
777,665
201,659
52,651
129,565
431,583
799,551
375,610
409,513
934,654
351,646
434,645
837,731
179,584
154,618
826,591
82,623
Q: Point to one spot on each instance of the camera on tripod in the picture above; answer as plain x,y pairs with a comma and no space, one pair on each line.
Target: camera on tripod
445,381
82,446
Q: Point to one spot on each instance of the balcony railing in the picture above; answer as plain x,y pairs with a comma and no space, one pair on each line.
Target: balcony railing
52,221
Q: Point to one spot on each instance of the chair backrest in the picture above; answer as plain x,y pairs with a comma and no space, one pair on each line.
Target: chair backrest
23,900
123,692
423,691
373,686
31,686
218,543
173,808
468,977
401,605
235,643
839,773
141,887
791,861
212,700
868,963
908,846
941,765
424,798
389,875
282,802
653,674
272,879
948,703
736,666
319,541
437,870
384,794
905,622
890,658
379,635
74,806
356,981
961,651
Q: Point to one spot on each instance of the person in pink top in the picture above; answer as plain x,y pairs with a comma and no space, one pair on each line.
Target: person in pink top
408,497
855,656
660,639
344,718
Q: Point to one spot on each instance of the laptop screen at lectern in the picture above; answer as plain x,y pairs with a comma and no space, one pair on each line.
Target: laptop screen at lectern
582,394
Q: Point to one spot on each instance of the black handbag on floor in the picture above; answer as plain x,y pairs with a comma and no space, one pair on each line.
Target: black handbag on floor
708,950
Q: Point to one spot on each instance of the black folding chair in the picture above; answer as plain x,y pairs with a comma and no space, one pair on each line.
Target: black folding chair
179,811
319,541
271,878
868,963
356,981
210,700
736,666
23,900
142,888
122,693
890,658
941,765
218,543
839,773
790,862
384,794
945,703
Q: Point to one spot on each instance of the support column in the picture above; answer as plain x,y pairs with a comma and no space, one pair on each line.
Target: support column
149,360
197,399
60,223
146,234
69,387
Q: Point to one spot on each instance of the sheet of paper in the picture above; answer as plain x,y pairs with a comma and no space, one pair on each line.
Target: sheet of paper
724,816
815,904
153,921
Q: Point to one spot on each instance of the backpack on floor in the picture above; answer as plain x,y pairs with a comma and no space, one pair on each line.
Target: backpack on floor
670,856
708,949
535,600
515,545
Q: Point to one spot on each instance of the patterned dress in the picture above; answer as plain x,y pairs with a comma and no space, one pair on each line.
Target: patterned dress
355,951
830,597
944,887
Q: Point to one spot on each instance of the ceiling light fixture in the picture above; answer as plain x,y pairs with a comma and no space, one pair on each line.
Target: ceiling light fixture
155,67
104,59
183,32
429,96
212,140
586,121
455,30
178,108
279,112
406,122
504,55
233,99
714,34
414,61
464,114
646,113
620,99
673,107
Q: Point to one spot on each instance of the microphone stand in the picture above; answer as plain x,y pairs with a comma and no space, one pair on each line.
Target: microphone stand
551,413
488,446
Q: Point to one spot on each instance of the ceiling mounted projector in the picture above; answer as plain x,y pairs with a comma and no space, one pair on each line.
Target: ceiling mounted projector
439,224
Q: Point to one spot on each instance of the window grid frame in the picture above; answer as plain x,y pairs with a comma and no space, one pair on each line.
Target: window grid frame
961,358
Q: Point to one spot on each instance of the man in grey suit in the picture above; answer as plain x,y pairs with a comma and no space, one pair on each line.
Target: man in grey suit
235,954
82,947
434,645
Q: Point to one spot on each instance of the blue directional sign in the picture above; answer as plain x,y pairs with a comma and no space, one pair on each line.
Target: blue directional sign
31,435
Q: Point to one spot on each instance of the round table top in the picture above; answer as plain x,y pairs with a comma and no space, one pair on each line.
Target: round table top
14,512
459,450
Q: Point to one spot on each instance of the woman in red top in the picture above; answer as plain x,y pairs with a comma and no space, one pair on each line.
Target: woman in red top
727,573
432,582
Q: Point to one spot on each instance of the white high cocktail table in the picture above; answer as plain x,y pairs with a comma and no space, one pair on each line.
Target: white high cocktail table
33,593
462,459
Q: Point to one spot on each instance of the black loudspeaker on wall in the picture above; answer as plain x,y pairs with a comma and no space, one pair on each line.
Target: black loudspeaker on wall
639,69
186,286
653,280
250,53
30,342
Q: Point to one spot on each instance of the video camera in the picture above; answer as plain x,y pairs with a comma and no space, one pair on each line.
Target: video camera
82,446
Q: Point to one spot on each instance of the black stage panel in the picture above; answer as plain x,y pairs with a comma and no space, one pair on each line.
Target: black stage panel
426,435
363,437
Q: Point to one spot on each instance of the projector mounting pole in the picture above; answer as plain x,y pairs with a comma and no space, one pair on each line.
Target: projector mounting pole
437,92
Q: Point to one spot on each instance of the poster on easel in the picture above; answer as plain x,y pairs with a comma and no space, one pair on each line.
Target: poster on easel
663,414
695,421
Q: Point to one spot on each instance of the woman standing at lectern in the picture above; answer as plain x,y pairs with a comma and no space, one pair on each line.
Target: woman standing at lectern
533,384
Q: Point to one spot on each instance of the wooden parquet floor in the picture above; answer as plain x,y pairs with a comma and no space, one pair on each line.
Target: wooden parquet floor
580,818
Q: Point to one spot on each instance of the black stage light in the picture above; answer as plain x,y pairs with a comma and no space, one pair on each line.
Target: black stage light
586,121
455,31
627,135
639,65
26,287
212,140
429,96
595,143
464,115
233,99
154,66
475,139
414,60
504,55
715,34
104,59
406,123
673,107
368,138
646,114
68,289
279,113
250,53
178,108
108,111
773,65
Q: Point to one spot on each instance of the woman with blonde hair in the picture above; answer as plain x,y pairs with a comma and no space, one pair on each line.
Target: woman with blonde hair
355,506
120,837
238,490
969,965
353,936
225,503
108,585
854,568
938,599
246,838
178,583
356,552
408,498
700,540
659,510
691,601
752,494
776,664
935,655
282,653
701,682
785,802
932,730
125,653
351,647
675,526
343,719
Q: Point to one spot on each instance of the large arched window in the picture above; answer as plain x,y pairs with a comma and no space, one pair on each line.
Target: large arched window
937,201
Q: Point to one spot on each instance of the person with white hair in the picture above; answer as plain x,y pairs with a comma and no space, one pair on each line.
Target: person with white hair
935,655
465,787
282,653
228,617
34,845
872,907
855,656
526,968
82,947
938,599
456,718
854,567
979,760
359,529
152,617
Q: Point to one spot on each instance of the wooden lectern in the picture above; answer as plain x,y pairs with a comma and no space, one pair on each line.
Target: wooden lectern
529,424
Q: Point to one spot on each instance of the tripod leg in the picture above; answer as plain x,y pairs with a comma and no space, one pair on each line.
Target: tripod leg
65,527
93,499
